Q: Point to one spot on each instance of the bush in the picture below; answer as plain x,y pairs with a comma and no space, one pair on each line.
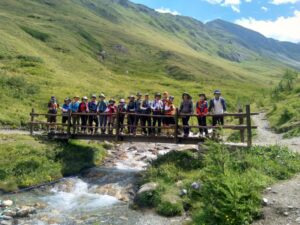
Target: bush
36,34
285,117
148,199
169,209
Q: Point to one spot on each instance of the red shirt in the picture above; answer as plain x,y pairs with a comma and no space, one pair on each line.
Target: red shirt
201,108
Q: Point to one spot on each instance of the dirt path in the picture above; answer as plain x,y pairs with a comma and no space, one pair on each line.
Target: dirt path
265,136
283,199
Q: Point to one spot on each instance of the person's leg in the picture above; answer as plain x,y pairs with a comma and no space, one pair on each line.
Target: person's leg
200,124
143,124
184,123
222,120
204,124
159,125
149,124
96,121
154,124
90,119
121,123
188,128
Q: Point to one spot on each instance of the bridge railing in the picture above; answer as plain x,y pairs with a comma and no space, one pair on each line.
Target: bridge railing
116,128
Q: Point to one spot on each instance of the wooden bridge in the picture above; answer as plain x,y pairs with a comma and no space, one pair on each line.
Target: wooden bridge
239,121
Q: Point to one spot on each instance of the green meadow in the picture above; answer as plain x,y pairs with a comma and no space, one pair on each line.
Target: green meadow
118,48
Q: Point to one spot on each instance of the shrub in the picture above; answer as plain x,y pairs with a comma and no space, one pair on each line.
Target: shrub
148,199
285,117
36,34
168,209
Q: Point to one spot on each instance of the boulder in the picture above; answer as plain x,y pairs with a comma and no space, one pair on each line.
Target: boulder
24,211
7,203
147,187
196,185
183,192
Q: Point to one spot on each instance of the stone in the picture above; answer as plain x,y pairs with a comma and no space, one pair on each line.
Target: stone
148,187
297,220
24,211
268,188
132,148
7,203
285,213
3,217
265,201
11,213
183,192
196,185
6,222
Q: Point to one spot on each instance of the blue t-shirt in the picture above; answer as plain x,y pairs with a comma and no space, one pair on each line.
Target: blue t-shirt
74,106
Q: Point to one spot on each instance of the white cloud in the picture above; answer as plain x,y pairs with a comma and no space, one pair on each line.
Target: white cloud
264,9
167,10
279,2
234,4
283,28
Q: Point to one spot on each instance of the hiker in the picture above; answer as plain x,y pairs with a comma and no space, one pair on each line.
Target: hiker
102,106
165,99
65,109
131,109
217,106
169,110
52,109
111,111
156,107
202,111
186,107
93,105
138,105
146,110
84,109
122,108
74,105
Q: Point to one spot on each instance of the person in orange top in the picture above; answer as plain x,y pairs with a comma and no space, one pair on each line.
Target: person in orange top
169,110
202,111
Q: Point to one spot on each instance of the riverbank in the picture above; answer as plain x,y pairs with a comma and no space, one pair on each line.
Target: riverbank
26,161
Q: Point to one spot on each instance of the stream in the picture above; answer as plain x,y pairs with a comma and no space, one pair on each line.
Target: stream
100,195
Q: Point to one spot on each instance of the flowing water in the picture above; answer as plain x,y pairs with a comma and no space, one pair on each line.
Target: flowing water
98,196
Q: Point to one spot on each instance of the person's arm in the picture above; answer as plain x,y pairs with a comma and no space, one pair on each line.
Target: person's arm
205,109
211,105
224,105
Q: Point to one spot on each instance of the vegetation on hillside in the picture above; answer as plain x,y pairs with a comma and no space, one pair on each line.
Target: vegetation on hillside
67,48
231,182
27,161
285,112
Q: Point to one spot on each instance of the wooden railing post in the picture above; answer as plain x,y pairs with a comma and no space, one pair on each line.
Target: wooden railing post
69,122
31,121
176,126
241,122
249,130
118,125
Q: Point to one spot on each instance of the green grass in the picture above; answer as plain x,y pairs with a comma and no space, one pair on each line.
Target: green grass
27,161
53,49
231,182
284,113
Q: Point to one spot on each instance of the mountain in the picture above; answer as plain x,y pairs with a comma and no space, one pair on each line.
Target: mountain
68,47
231,33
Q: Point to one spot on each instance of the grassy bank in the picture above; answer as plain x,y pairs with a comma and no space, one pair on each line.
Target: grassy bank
230,182
26,161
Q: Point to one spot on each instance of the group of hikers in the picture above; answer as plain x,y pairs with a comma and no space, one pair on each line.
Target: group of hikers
93,115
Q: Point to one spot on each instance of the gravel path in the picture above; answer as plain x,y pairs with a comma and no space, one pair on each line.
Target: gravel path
265,136
283,199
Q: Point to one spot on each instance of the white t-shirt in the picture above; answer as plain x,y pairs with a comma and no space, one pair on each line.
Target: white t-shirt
218,107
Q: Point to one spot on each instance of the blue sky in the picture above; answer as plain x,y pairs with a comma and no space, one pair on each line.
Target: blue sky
279,19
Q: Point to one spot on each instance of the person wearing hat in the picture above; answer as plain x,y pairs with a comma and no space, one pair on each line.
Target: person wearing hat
131,110
111,111
74,105
217,106
52,109
202,111
146,120
169,110
65,109
138,105
93,105
156,107
186,107
122,108
83,109
101,108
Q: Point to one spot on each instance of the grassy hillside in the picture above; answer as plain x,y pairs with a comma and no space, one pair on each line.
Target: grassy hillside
64,48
